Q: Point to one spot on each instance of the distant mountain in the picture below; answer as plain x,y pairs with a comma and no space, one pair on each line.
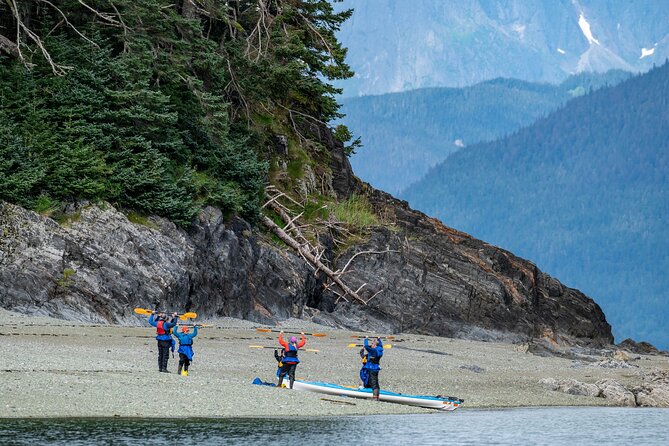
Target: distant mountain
407,133
583,192
399,45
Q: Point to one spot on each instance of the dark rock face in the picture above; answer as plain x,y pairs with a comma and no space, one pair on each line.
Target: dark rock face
434,280
642,348
103,266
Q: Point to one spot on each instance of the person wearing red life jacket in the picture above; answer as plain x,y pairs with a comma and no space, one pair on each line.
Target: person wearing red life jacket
290,360
163,336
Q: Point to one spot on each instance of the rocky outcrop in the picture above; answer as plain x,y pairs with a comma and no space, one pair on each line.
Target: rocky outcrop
436,280
642,348
433,279
653,391
571,387
618,394
101,266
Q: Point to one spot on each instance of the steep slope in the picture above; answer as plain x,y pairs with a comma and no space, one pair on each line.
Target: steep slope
409,132
395,45
582,192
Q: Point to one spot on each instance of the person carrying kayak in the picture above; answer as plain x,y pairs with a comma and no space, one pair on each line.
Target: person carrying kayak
163,336
290,360
370,365
185,347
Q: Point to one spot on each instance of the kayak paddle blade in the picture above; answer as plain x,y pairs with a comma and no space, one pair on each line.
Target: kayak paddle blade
143,311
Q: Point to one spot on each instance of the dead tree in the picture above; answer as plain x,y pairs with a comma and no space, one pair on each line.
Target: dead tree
305,252
292,235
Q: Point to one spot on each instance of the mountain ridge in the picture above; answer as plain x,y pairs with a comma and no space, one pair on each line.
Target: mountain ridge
412,45
408,132
586,188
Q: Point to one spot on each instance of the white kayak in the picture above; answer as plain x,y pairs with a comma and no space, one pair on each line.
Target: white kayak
429,402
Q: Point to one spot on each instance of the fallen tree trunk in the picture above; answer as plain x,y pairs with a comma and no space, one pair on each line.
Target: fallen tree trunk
307,254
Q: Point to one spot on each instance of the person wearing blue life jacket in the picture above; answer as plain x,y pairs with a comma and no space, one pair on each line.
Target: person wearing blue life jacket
185,347
163,336
289,359
370,365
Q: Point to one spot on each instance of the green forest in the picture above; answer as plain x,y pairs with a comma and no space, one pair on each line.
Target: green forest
582,192
410,132
160,106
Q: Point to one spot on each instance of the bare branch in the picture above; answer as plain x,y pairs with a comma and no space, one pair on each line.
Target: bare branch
74,28
374,295
320,37
238,89
57,69
262,27
290,223
310,257
274,188
361,253
361,287
125,28
109,18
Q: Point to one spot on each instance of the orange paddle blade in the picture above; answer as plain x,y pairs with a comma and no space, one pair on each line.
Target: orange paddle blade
143,311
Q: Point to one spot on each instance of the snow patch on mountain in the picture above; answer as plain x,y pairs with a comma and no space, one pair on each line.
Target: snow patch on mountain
585,28
645,52
520,30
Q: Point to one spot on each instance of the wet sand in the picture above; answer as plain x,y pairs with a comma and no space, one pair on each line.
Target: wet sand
55,368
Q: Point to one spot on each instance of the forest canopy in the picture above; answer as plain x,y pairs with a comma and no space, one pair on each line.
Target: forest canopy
158,106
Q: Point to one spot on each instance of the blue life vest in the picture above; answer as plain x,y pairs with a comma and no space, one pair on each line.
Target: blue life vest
186,350
290,355
373,357
186,343
364,376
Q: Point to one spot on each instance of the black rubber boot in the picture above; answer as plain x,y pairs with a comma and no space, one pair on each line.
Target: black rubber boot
164,366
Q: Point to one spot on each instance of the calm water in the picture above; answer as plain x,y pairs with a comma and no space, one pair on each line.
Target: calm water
558,426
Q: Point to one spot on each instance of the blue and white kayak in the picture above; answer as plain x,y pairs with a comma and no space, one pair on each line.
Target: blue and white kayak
429,402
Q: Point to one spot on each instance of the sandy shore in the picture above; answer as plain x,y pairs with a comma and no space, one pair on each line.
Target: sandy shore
65,369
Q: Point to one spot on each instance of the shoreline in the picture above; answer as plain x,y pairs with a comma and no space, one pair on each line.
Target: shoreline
318,417
65,369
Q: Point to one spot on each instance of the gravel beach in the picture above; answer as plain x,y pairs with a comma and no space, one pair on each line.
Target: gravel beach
56,368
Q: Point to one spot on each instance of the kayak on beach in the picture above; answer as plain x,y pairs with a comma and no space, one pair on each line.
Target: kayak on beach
447,403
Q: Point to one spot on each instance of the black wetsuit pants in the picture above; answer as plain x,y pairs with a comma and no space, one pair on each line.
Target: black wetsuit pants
184,362
373,381
287,369
163,354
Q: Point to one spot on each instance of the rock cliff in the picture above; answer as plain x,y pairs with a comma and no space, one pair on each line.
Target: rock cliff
99,265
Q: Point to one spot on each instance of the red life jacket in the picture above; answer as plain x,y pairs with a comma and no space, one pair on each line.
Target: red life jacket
159,328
